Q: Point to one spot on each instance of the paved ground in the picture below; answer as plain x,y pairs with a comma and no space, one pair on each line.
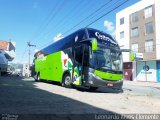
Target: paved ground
24,96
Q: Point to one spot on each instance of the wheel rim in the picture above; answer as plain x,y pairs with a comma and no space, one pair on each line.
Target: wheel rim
67,80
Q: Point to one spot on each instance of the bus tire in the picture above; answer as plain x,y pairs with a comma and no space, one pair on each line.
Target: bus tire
66,81
38,77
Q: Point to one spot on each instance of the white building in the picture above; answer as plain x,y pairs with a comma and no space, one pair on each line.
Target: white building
137,28
26,71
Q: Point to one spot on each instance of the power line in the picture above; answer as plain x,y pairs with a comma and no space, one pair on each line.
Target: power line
86,7
66,17
56,11
98,17
111,5
46,19
102,6
42,27
107,13
49,18
88,16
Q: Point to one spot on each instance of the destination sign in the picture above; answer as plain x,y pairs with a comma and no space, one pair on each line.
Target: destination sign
103,37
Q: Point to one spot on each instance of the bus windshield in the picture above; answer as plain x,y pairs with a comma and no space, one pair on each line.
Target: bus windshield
107,59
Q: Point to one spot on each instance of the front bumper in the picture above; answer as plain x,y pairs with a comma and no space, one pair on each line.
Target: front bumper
96,81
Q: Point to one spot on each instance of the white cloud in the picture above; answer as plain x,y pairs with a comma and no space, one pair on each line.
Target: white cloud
36,50
57,37
110,27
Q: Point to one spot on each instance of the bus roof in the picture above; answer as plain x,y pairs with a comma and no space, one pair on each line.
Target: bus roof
77,36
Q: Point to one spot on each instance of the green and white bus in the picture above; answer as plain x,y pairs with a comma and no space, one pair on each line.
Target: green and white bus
88,58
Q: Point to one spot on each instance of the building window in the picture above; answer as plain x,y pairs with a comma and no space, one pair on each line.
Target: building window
121,34
122,21
148,28
149,45
134,47
148,12
134,32
134,17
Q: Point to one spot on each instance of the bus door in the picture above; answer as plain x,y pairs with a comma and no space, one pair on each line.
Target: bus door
77,65
81,59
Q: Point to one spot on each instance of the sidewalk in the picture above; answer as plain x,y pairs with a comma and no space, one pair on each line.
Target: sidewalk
144,84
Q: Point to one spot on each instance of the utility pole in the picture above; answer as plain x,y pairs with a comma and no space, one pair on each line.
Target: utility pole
29,53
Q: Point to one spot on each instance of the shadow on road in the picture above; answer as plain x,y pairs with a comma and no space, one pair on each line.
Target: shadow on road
101,90
82,89
22,98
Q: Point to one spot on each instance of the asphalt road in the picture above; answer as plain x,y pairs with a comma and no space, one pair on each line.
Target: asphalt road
38,100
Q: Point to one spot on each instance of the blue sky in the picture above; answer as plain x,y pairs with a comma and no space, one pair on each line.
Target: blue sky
40,21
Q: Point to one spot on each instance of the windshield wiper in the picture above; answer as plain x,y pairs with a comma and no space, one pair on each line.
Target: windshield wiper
103,67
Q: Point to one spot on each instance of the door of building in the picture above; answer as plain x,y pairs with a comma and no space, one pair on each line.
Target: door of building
127,71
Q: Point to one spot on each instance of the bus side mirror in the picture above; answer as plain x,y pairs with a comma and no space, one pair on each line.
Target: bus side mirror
132,56
94,44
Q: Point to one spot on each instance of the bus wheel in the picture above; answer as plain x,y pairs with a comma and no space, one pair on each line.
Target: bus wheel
66,81
37,77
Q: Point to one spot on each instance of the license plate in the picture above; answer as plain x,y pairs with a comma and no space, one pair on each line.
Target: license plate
110,85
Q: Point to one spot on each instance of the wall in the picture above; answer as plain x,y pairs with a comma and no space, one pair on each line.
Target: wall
157,22
141,38
125,27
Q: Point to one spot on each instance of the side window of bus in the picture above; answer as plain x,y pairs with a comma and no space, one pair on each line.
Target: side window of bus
78,53
69,52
